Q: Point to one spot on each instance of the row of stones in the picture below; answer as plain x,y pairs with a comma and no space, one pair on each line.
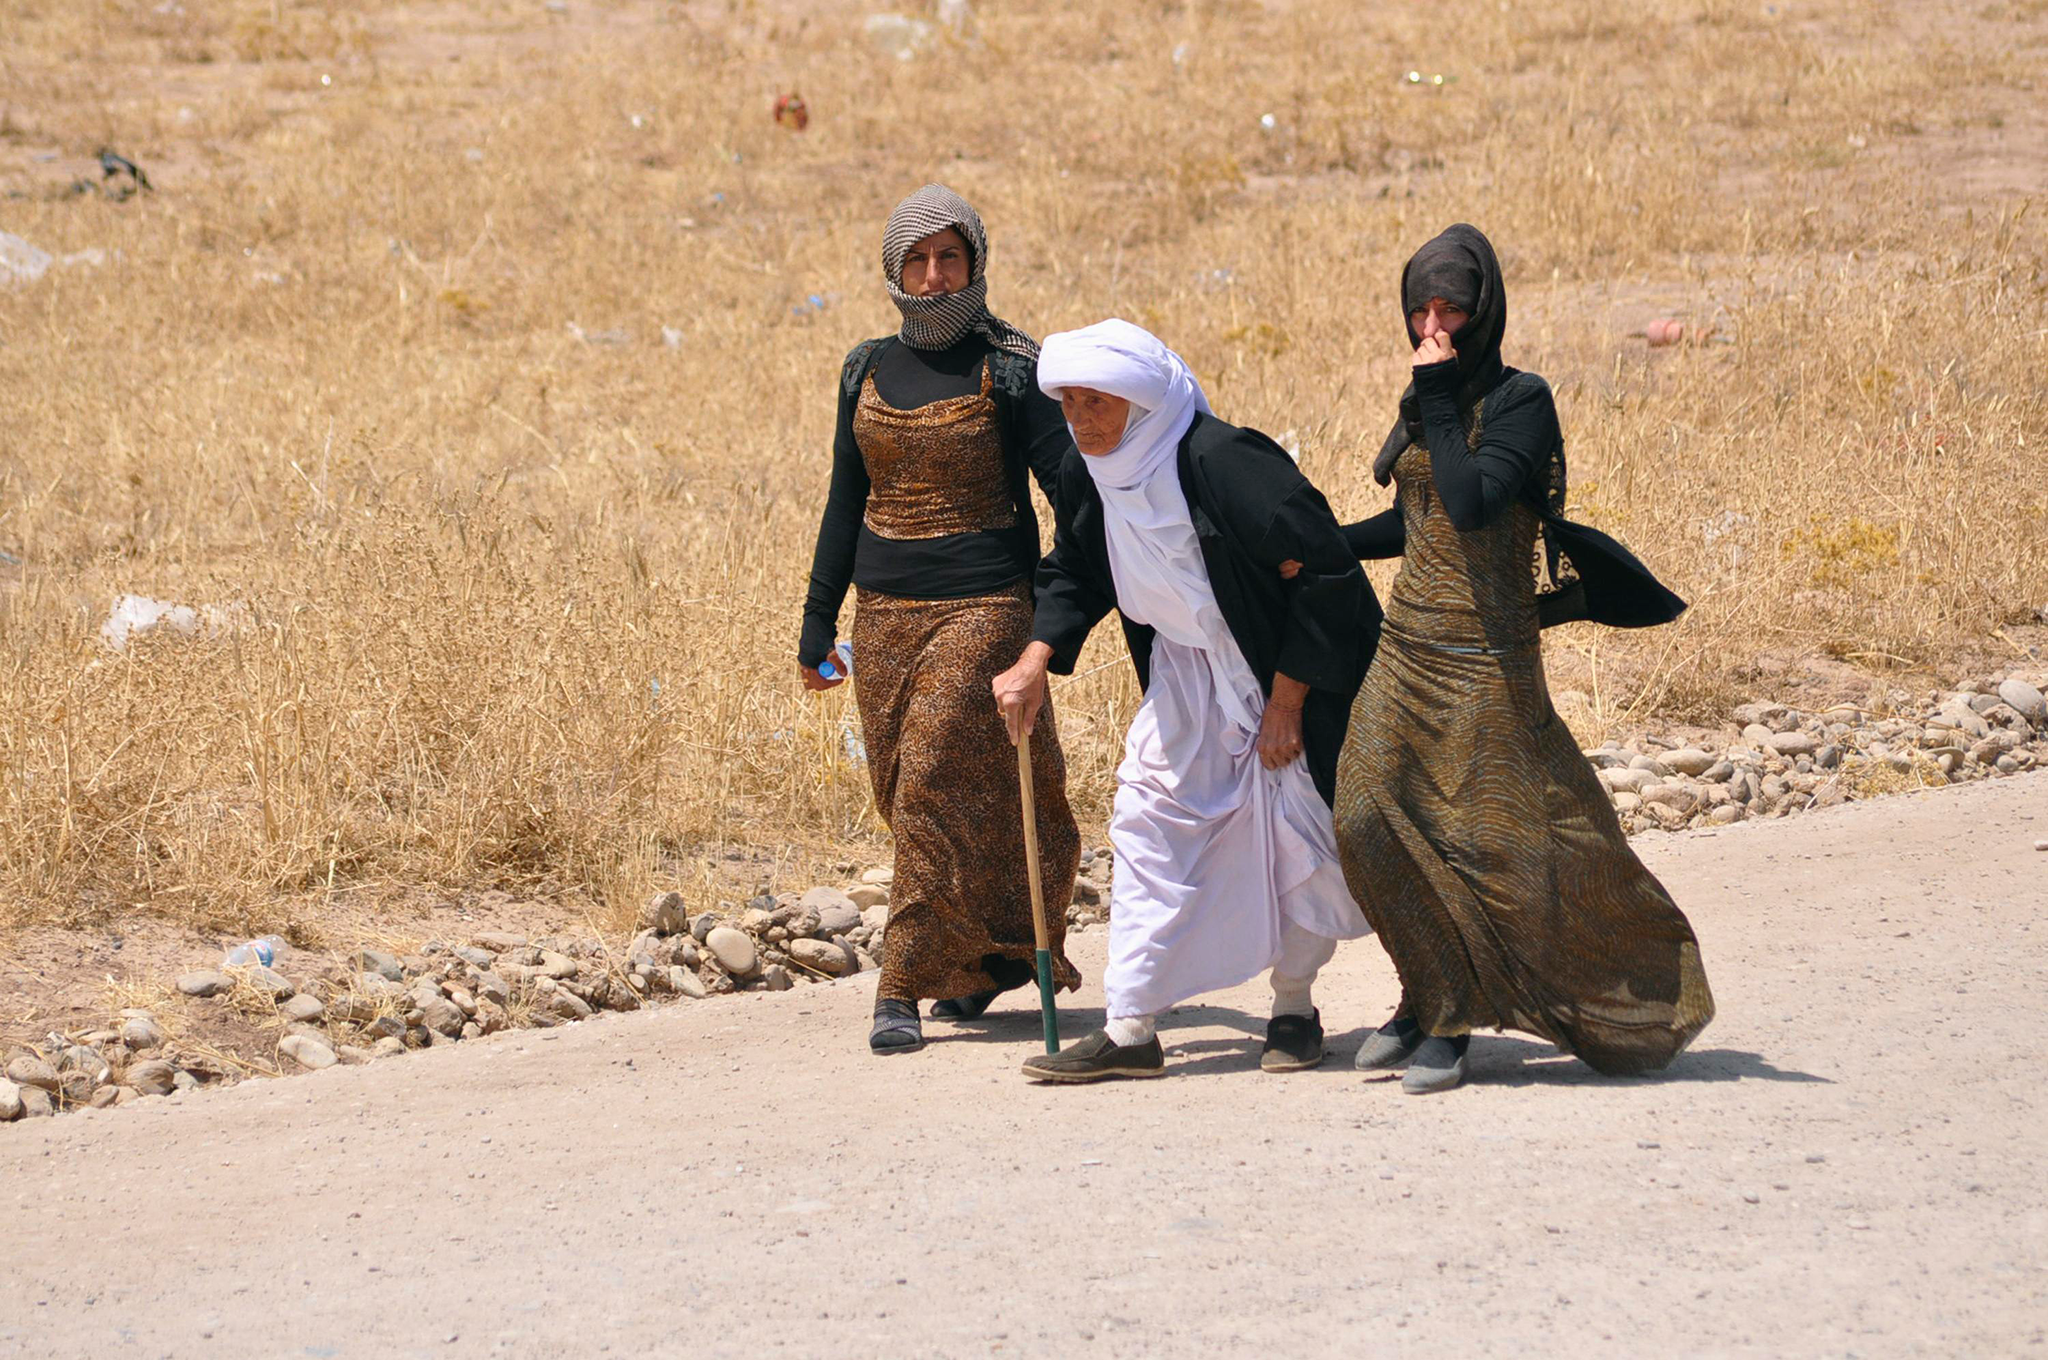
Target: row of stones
382,1003
1775,761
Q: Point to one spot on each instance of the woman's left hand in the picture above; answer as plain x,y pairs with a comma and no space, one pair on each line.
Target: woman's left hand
1280,728
1279,737
1289,569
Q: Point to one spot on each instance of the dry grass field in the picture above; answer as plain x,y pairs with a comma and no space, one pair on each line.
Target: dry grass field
477,359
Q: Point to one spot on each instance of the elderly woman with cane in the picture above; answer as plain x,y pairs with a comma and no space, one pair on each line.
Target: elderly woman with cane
1226,859
941,429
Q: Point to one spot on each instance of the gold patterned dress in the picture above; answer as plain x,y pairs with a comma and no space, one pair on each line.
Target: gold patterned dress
1473,831
944,771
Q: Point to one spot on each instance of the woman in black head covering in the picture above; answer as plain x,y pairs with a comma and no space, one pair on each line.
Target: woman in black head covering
941,430
1472,829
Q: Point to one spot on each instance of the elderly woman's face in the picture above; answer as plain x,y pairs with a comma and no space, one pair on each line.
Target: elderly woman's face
937,265
1097,418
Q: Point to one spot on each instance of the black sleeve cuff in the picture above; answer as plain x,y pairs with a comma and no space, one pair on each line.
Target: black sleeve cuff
1438,380
819,636
1060,634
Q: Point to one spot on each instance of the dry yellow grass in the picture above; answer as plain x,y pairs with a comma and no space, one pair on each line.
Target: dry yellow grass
383,359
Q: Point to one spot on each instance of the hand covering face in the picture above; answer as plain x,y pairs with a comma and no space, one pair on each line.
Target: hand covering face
1460,267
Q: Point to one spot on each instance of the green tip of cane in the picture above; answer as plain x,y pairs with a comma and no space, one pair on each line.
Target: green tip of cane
1052,1015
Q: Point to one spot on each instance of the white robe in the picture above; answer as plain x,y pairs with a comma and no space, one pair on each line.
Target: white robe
1215,854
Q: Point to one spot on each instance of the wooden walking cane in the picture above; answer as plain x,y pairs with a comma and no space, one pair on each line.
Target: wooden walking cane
1052,1015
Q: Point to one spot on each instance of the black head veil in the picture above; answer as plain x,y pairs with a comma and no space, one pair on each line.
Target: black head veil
1459,266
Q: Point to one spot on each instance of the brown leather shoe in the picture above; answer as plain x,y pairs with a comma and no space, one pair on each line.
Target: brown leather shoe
1098,1058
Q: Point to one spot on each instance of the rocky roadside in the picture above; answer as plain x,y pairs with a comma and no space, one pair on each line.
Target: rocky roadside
1769,761
320,1014
1774,761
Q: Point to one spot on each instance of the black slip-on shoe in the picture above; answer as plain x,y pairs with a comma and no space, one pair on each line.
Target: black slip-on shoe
1294,1043
1098,1058
1391,1045
897,1028
1439,1065
969,1007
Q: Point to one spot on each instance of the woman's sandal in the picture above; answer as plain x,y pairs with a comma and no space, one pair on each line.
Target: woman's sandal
897,1028
969,1007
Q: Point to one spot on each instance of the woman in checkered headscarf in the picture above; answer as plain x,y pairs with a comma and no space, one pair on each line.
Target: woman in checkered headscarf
929,516
930,221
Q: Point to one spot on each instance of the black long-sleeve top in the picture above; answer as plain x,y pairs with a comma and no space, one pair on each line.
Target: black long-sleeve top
1252,510
1476,485
1518,435
951,566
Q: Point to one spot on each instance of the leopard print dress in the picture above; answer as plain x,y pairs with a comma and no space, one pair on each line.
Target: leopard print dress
944,771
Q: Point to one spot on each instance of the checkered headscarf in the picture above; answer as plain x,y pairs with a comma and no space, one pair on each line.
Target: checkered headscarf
937,322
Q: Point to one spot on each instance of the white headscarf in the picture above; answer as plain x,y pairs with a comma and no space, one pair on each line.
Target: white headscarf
1153,555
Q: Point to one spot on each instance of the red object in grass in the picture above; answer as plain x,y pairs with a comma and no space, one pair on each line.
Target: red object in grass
791,113
1664,331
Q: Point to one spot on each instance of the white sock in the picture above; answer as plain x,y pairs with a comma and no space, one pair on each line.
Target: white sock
1291,996
1126,1030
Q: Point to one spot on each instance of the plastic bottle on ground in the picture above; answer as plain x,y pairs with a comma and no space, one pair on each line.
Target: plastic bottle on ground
260,952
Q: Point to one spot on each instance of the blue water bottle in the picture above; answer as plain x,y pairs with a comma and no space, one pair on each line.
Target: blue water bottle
839,665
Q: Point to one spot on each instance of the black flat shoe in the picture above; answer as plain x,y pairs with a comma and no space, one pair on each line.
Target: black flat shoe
1098,1058
1294,1043
969,1007
897,1028
1391,1045
1439,1065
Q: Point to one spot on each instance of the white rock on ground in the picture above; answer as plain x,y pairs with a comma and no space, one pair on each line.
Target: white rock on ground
304,1009
2025,700
1690,761
308,1052
152,1078
32,1072
821,956
1789,744
868,895
733,949
837,912
206,982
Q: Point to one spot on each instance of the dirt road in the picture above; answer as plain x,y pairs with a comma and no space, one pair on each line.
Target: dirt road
1850,1163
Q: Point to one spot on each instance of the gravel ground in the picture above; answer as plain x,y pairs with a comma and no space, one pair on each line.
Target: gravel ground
1848,1164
